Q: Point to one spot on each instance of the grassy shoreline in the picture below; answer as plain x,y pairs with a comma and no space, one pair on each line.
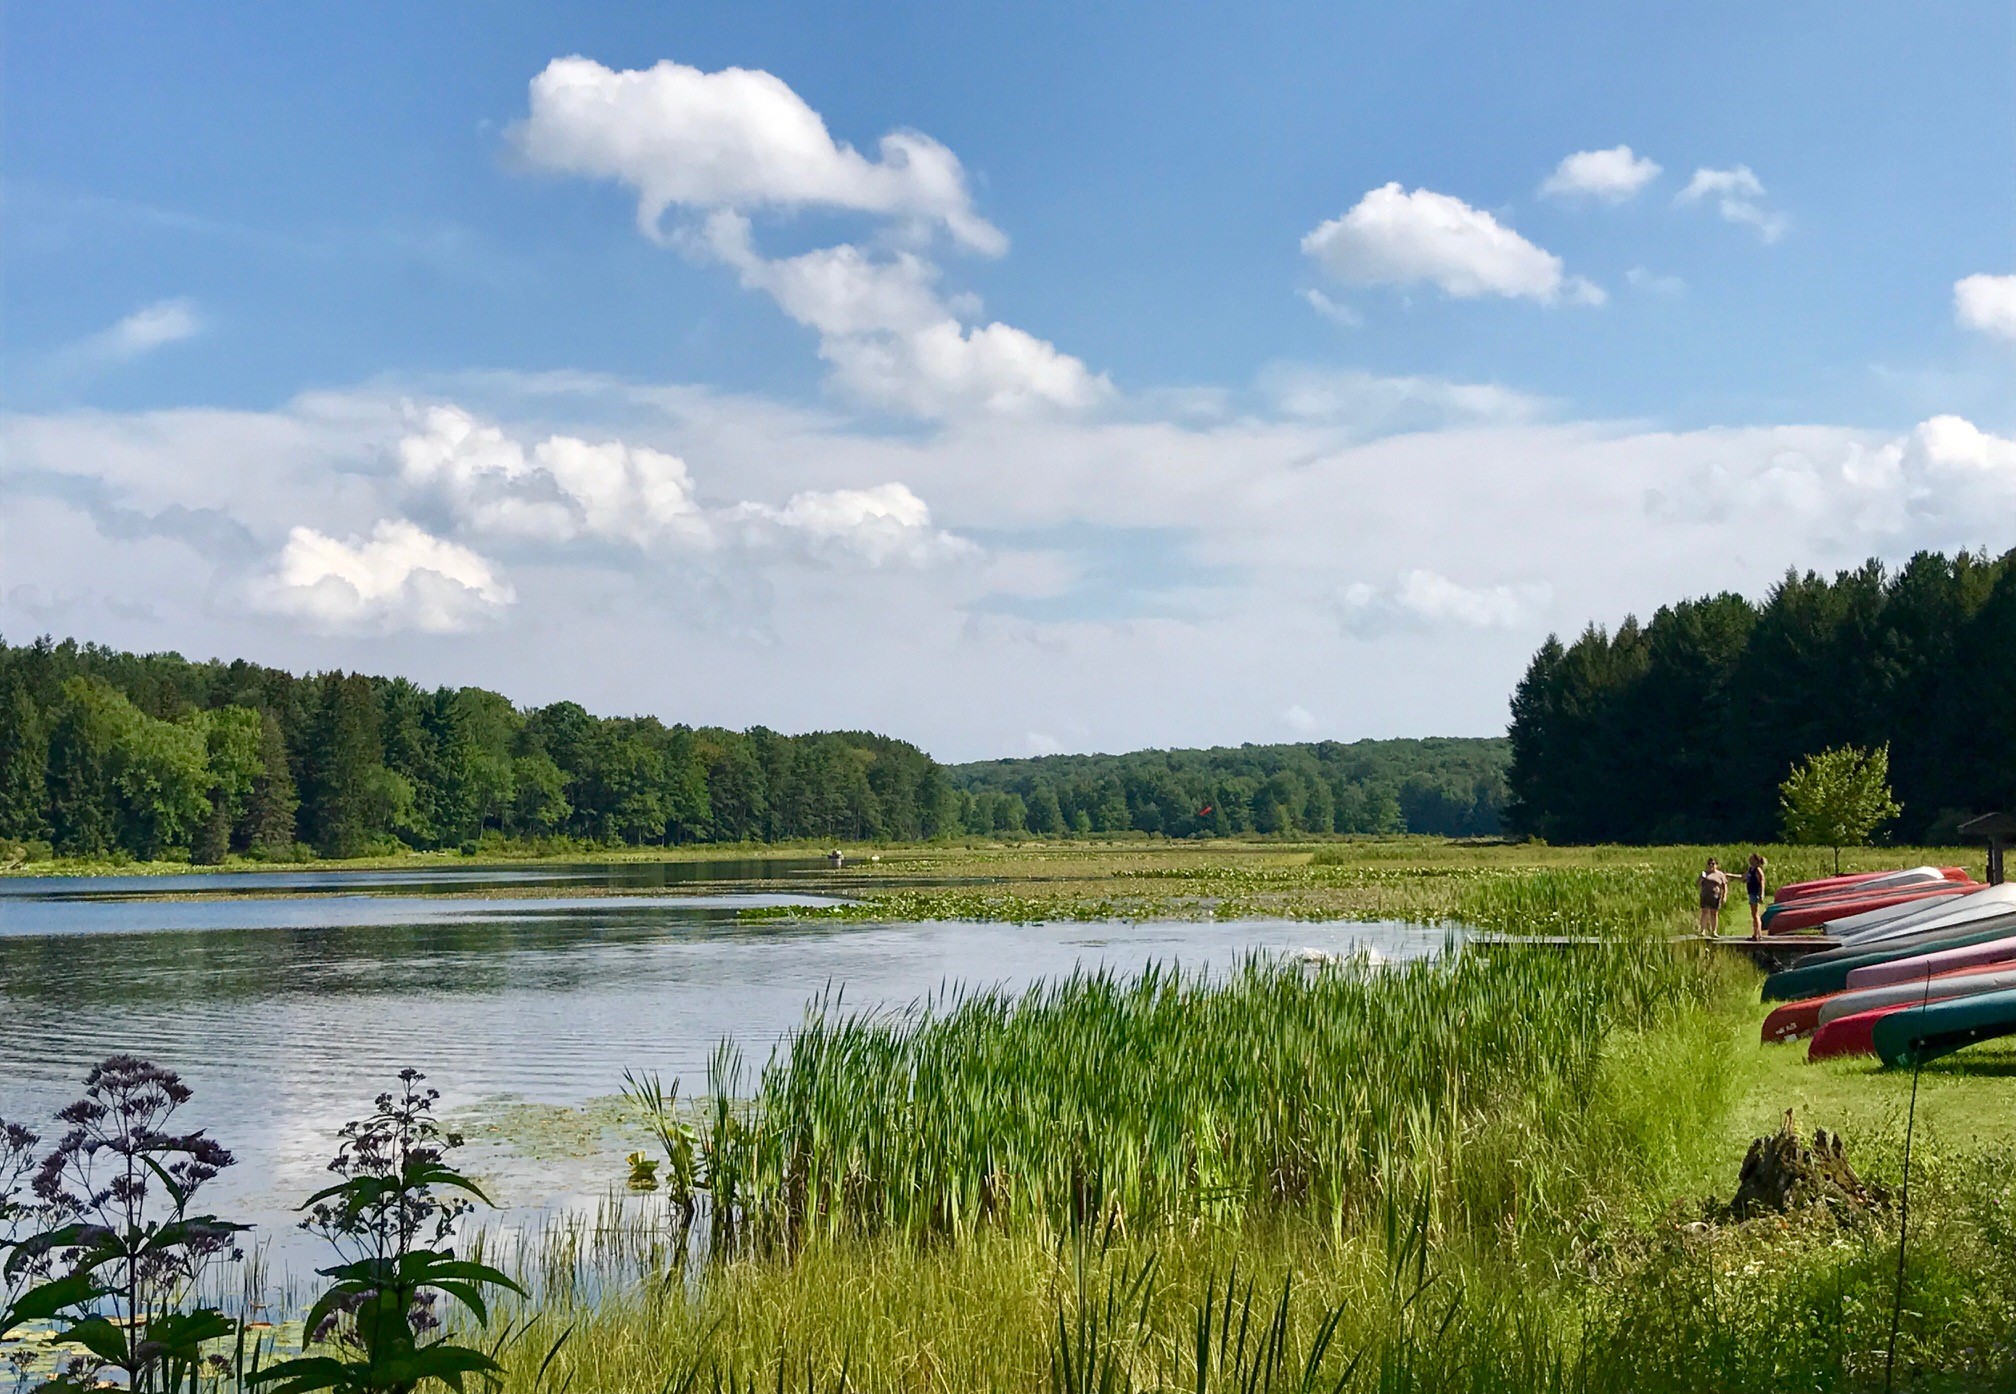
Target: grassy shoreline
1485,1175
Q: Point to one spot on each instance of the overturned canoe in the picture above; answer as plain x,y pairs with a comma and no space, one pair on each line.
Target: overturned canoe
1968,982
1919,966
1913,1035
1854,1034
1981,904
1805,914
1866,880
1789,1021
1828,970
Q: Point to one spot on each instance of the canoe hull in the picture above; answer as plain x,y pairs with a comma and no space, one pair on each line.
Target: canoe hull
1914,1035
1918,967
1830,885
1791,1021
1810,913
1828,970
1854,1034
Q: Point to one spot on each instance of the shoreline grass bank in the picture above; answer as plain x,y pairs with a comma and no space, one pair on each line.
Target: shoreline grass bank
1485,1174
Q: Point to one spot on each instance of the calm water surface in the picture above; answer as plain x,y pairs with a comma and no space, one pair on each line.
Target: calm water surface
288,999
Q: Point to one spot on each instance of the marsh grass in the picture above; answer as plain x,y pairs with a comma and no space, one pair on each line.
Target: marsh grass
1527,888
1483,1174
1169,1096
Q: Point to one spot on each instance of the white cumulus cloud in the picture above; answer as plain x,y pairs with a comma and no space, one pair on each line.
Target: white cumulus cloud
1394,237
1300,719
1946,484
401,577
1420,599
1614,175
894,340
738,138
1958,475
1986,303
883,525
1738,196
565,489
562,490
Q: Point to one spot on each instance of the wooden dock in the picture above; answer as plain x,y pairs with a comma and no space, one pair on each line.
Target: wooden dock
1767,953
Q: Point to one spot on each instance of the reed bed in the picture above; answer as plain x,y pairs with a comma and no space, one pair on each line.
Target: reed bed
1336,1091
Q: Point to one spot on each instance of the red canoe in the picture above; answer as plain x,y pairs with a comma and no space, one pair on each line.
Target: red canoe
1789,1021
1850,1035
1820,909
1834,885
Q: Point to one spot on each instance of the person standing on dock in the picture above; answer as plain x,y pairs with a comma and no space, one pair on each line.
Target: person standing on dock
1714,890
1753,885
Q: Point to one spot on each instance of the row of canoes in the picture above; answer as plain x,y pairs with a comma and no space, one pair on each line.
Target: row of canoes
1924,965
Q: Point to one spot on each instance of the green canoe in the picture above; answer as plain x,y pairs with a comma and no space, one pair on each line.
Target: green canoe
1917,1034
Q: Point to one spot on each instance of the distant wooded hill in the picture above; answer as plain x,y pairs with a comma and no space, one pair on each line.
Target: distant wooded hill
1681,730
1454,786
153,755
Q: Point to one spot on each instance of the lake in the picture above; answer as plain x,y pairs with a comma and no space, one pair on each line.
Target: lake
287,1000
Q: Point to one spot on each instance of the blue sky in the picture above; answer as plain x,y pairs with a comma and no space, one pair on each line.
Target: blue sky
1220,475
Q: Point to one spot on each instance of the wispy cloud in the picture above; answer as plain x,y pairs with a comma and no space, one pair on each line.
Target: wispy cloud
1738,195
149,328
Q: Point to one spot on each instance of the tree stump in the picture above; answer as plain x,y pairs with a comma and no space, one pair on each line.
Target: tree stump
1782,1174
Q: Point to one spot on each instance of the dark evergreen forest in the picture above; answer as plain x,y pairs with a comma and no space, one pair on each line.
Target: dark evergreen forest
1681,730
106,753
1454,786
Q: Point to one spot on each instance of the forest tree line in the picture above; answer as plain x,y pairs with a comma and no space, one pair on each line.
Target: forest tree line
1682,729
151,755
107,753
1452,786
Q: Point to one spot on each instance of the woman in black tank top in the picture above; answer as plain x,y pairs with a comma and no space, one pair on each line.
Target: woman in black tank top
1753,886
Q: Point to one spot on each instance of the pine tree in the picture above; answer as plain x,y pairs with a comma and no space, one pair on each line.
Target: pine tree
24,766
449,796
266,825
344,764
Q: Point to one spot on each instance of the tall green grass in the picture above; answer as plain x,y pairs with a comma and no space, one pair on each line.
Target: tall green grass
1336,1092
1466,1174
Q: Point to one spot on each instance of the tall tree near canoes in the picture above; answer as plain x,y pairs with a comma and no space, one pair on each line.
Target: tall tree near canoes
1681,729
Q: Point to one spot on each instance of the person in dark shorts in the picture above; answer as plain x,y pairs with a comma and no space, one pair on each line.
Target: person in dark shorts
1753,886
1714,890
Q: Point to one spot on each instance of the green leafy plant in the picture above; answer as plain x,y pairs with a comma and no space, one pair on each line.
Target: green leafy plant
124,1249
675,1134
391,1219
1838,798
